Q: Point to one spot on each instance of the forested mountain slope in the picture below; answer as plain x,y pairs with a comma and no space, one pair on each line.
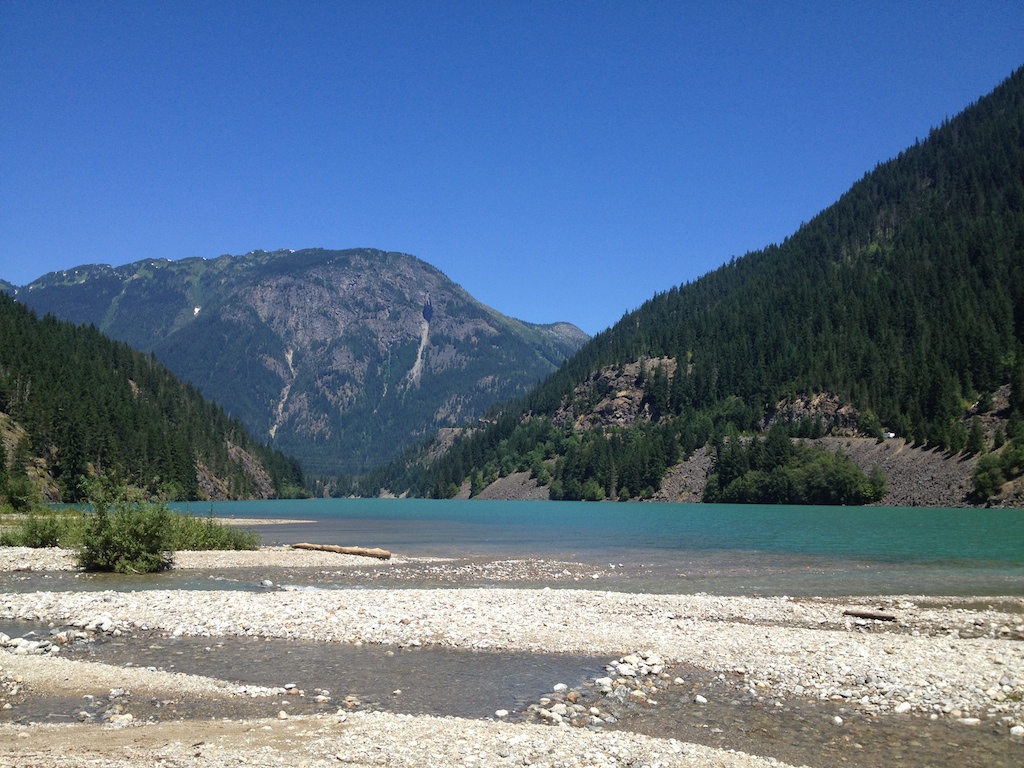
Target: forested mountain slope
340,358
76,405
902,304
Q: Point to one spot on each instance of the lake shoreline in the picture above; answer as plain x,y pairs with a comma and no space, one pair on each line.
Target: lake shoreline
951,658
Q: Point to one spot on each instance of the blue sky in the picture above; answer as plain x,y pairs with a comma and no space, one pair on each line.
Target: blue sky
559,160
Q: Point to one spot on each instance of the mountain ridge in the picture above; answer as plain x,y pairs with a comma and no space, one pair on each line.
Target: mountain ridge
340,358
903,302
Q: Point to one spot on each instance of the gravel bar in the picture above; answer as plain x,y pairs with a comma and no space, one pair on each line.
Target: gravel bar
942,658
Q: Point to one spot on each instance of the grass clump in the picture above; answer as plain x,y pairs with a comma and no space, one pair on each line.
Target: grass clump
44,527
188,532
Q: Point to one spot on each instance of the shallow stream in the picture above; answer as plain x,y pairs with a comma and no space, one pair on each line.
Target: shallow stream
474,684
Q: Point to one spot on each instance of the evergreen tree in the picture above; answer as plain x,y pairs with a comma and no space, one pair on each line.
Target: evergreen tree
975,438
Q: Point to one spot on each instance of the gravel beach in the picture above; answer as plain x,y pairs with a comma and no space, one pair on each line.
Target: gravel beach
959,660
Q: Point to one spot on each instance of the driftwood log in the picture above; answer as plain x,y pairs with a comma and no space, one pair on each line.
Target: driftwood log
380,554
866,614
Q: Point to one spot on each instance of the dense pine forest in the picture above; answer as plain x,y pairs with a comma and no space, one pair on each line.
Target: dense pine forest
904,300
75,406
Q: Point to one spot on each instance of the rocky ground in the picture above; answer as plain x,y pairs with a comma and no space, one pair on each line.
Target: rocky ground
946,660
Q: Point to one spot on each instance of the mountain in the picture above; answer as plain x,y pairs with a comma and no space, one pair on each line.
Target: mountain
340,358
75,405
898,310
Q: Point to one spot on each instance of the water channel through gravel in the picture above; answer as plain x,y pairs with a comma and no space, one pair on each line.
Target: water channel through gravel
686,703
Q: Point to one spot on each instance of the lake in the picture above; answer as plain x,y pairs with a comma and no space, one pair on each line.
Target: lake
719,548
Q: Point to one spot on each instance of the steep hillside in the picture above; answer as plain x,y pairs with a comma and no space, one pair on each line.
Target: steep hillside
340,358
917,477
902,304
76,405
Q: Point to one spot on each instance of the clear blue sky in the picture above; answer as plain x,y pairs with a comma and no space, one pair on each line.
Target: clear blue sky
559,160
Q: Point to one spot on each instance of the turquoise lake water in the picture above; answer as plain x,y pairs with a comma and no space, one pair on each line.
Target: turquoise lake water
730,549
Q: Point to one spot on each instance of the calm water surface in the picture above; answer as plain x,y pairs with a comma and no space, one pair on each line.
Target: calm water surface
729,549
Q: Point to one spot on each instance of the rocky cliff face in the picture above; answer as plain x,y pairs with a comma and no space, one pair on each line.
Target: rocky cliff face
340,358
612,396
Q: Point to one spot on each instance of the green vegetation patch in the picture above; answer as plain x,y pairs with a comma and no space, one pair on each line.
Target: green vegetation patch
128,535
997,468
775,470
43,527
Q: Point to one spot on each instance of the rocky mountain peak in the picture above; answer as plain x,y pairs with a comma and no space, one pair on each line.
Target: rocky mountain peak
341,358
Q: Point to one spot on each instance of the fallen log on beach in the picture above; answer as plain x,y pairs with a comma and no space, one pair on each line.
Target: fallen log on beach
866,614
380,554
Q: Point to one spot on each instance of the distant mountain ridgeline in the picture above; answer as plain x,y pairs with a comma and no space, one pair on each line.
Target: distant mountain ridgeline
902,305
340,358
75,405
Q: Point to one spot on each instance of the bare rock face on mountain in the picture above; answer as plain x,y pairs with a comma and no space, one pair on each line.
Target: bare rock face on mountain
834,416
340,358
613,396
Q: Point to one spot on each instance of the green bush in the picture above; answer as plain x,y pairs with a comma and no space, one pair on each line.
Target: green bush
124,532
134,537
41,531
